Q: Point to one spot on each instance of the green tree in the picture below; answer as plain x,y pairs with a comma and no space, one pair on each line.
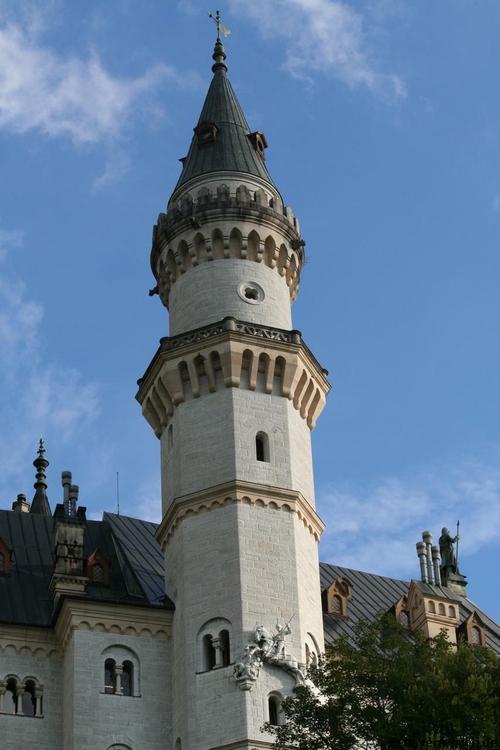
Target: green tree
388,690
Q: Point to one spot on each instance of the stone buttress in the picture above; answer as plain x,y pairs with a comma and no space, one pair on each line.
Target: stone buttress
233,394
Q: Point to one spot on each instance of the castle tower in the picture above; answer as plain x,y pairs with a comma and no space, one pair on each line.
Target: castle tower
233,394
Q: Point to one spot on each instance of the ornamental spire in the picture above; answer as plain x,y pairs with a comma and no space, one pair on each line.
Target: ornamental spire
40,502
219,54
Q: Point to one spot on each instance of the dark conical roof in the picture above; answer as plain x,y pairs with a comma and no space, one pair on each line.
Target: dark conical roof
40,503
232,149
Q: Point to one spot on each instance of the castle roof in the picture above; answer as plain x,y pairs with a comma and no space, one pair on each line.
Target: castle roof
232,148
136,565
137,575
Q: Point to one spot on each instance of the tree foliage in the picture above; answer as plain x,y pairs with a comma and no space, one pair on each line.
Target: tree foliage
387,689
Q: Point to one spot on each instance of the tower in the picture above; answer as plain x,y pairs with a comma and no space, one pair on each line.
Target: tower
232,394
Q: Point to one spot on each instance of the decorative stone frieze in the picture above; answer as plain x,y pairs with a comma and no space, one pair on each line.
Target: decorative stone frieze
232,354
79,614
256,495
245,225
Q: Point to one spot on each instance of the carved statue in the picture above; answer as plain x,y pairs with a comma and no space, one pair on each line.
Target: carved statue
265,648
447,552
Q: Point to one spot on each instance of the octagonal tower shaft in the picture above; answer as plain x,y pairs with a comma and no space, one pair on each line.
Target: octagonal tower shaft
232,394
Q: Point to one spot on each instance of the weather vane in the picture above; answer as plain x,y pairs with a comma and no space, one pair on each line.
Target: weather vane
219,24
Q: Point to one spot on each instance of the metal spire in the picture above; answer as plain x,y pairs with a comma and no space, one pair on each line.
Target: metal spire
40,502
219,54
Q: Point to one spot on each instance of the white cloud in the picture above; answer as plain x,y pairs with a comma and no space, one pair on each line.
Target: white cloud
36,397
375,528
9,239
116,167
322,36
147,503
74,97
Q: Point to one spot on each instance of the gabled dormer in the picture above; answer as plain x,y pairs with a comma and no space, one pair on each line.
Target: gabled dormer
98,568
472,630
337,596
5,558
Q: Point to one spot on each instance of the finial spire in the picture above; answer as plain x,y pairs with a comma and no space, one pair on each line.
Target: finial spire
40,502
219,54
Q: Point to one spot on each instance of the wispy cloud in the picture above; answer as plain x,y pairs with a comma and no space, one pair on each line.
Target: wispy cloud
322,36
376,527
74,97
37,397
147,503
9,239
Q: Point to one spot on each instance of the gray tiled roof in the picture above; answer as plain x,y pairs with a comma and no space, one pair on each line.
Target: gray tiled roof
373,594
232,150
24,592
137,575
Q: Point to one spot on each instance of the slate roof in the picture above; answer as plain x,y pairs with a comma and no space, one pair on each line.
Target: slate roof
232,150
373,594
137,575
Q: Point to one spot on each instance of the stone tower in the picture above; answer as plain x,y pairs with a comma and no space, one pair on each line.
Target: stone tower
233,394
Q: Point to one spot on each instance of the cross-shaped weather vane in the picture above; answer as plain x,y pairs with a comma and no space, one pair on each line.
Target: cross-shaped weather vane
219,24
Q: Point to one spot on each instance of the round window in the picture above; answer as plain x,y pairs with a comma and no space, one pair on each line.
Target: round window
251,292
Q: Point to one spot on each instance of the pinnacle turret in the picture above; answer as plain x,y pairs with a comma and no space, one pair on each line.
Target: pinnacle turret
40,502
222,140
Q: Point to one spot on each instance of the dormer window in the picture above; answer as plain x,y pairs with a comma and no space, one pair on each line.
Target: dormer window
206,132
258,141
472,630
98,568
336,597
401,613
5,558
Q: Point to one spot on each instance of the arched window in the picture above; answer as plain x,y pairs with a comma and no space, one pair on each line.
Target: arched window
170,437
11,696
109,676
178,744
451,611
274,709
336,604
98,573
441,608
208,653
432,607
29,699
224,647
262,447
475,633
404,619
128,678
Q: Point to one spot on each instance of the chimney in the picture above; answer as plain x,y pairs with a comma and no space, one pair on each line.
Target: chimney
73,499
66,483
436,561
21,505
423,562
427,539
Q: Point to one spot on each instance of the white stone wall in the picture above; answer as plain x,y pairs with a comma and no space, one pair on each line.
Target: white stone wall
97,720
209,292
213,441
240,563
19,732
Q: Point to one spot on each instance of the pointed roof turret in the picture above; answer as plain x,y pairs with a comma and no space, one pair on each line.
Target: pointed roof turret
222,140
40,502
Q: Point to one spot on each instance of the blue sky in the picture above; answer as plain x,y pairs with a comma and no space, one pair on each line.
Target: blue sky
382,119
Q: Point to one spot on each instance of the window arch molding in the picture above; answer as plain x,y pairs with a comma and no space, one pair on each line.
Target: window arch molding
125,665
214,644
274,710
312,651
